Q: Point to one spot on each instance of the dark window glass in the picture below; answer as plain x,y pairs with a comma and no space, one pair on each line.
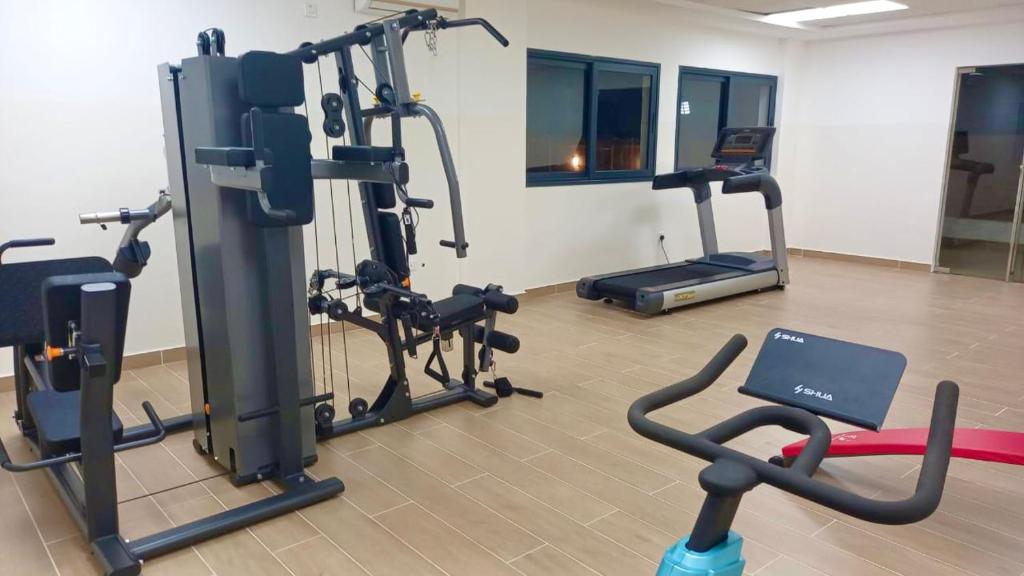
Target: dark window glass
623,119
750,101
710,100
700,111
556,139
589,119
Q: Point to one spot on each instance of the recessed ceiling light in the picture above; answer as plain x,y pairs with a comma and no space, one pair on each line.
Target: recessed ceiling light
795,17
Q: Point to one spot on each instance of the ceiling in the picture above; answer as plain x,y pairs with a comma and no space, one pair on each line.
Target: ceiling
917,8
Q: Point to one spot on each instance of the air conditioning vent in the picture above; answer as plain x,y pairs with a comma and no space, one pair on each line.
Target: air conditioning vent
383,7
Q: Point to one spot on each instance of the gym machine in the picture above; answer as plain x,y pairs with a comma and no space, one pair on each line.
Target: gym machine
713,549
241,175
739,164
66,321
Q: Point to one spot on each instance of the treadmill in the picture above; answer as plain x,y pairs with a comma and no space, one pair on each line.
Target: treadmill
739,156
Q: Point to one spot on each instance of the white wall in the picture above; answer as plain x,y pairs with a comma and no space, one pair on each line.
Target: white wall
871,129
81,131
591,229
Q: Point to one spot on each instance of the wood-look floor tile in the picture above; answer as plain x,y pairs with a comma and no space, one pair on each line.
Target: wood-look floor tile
485,527
319,557
785,566
276,533
156,468
548,560
897,558
499,437
372,495
552,466
349,443
433,459
542,486
453,552
21,548
626,470
582,543
238,553
372,546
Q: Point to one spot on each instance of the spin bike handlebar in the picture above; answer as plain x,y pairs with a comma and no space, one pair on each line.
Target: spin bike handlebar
797,480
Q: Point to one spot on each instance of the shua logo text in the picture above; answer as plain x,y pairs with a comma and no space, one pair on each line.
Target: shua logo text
810,392
789,337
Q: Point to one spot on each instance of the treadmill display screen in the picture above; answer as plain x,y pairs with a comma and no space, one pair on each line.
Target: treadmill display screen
743,144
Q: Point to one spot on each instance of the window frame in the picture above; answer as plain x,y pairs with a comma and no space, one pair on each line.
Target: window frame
727,77
593,65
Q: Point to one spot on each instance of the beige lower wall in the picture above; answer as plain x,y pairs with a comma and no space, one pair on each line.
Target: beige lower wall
885,262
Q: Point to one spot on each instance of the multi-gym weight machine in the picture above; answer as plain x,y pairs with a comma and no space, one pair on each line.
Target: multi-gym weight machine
241,179
242,175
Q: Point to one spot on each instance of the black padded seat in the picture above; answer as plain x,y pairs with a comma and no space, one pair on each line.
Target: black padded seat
57,418
454,310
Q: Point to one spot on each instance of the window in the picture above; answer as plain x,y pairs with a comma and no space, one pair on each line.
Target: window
589,119
710,100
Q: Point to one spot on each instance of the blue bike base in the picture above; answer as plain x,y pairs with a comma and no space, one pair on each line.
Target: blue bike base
726,559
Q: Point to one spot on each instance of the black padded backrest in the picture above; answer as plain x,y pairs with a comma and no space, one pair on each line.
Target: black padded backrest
384,194
270,80
281,140
62,303
21,305
393,249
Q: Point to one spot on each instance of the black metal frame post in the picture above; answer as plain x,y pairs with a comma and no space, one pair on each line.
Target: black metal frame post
99,480
349,85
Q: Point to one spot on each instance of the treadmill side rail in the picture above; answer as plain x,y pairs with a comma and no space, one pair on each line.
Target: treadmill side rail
661,298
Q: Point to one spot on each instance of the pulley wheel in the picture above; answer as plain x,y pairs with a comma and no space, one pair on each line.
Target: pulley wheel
358,407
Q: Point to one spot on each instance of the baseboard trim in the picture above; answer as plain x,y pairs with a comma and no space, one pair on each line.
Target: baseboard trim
548,290
141,360
870,260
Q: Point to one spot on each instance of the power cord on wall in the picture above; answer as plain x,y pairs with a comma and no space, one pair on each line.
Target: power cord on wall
661,244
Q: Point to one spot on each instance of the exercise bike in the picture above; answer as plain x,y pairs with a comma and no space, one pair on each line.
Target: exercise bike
713,549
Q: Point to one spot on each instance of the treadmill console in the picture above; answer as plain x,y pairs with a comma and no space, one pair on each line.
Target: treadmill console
742,147
738,151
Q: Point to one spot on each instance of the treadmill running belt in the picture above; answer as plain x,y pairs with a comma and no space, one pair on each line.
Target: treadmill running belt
627,285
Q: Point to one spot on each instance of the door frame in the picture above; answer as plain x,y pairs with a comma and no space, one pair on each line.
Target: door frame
1015,224
946,165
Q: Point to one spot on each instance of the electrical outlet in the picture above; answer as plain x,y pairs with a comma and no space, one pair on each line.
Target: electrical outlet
661,236
312,10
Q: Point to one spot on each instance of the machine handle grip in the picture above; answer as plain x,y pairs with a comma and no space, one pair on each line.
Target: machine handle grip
761,182
689,387
930,482
159,433
444,23
26,243
453,245
425,203
938,451
482,23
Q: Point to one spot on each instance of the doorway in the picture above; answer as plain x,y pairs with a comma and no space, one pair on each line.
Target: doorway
981,232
